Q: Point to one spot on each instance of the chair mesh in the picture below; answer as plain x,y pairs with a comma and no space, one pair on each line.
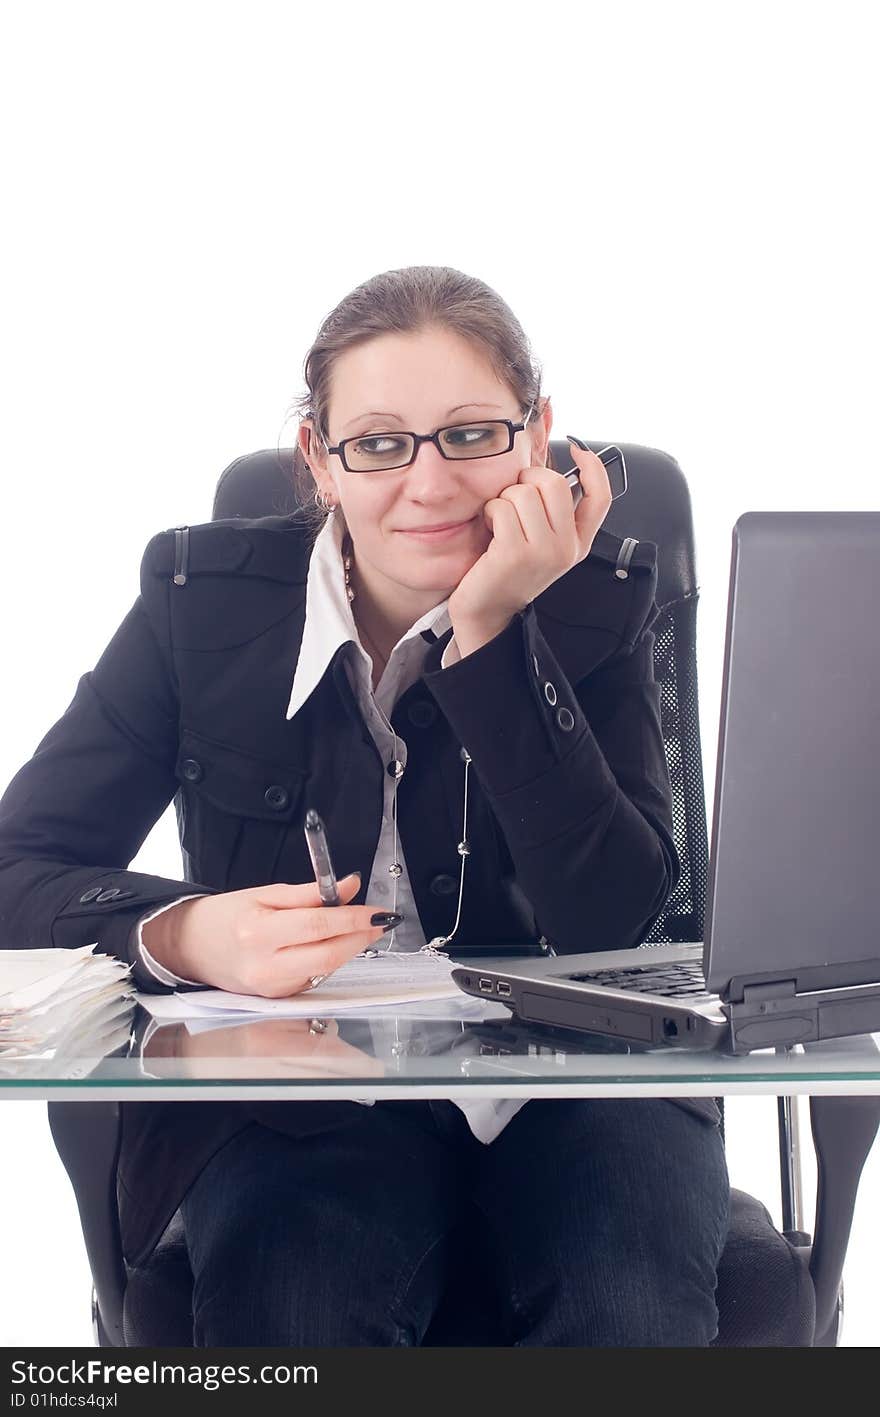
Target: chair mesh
675,669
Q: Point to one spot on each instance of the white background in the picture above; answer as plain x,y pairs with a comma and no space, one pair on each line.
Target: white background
676,199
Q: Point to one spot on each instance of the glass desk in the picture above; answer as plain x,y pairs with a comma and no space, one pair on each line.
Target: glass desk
389,1054
392,1054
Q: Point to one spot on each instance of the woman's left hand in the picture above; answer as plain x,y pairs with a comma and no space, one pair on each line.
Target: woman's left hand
537,535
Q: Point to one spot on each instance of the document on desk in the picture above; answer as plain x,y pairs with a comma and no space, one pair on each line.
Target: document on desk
52,999
171,1008
393,977
29,977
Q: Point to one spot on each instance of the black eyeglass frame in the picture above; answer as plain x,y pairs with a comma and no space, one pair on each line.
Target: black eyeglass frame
419,438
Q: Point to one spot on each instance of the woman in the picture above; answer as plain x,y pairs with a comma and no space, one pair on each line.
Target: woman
499,670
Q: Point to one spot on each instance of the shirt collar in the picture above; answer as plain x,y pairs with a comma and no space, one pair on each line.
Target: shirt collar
329,621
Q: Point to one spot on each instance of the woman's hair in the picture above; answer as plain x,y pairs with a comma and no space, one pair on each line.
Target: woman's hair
410,300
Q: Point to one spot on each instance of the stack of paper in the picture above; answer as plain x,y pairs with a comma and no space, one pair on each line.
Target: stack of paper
61,1003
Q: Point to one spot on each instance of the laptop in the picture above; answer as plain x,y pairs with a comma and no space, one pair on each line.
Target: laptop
792,921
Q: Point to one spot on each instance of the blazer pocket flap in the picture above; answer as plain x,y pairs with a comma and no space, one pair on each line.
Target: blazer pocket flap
239,782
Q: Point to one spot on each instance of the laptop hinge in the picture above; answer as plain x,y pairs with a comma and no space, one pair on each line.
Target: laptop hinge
774,989
769,1013
773,1014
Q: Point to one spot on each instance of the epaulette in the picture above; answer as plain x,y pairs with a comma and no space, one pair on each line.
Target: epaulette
269,547
623,554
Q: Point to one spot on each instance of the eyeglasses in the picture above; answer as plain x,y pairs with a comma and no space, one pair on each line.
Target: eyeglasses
379,452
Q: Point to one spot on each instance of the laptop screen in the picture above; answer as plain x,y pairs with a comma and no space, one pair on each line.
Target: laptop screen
794,864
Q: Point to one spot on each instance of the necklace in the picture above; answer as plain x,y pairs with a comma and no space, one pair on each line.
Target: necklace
396,769
375,654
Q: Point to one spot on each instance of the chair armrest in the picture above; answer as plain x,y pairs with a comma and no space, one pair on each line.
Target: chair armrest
87,1136
843,1129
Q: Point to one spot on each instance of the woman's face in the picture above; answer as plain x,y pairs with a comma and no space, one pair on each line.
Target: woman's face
416,382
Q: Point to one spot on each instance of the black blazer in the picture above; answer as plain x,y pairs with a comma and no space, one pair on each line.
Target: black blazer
569,810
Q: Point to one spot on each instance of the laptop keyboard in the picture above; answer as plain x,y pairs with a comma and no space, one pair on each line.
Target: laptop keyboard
678,981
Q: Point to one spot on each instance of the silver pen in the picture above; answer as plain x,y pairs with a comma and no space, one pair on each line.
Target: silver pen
319,851
316,841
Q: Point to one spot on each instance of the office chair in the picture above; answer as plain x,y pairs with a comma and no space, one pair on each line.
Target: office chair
774,1288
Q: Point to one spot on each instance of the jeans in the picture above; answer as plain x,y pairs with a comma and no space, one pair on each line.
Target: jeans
605,1218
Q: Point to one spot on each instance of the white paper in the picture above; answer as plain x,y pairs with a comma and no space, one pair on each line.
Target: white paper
29,976
50,998
422,1010
396,977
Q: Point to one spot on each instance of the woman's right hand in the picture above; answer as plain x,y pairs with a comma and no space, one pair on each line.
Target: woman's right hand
267,940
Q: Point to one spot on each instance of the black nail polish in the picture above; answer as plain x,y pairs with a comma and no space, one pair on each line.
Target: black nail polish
581,444
387,918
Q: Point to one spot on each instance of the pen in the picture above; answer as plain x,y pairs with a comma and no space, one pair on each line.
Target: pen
316,840
319,851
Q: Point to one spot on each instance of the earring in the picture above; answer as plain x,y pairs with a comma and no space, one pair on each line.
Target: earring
321,500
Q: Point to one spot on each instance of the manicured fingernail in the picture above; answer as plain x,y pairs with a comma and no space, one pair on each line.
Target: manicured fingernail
579,441
386,918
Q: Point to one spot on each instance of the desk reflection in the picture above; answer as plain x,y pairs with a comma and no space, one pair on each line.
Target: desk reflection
297,1047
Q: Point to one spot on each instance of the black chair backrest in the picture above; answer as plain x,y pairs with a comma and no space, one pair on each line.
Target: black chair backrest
656,507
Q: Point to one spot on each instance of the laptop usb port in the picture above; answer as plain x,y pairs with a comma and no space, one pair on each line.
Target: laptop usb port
486,986
503,987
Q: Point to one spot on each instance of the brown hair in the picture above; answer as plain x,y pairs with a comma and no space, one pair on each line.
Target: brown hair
409,300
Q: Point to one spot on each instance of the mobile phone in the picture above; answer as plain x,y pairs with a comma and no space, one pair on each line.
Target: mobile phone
615,465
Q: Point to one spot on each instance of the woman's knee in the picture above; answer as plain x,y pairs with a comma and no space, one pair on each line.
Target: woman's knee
622,1246
299,1251
639,1306
273,1284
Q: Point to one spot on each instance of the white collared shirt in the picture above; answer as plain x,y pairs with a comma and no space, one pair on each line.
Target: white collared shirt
329,623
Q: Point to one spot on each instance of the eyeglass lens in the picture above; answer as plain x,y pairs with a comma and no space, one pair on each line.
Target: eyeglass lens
378,451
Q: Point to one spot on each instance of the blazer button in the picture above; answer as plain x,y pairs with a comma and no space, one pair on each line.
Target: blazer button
421,713
443,885
550,693
110,894
565,719
277,798
192,771
91,894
